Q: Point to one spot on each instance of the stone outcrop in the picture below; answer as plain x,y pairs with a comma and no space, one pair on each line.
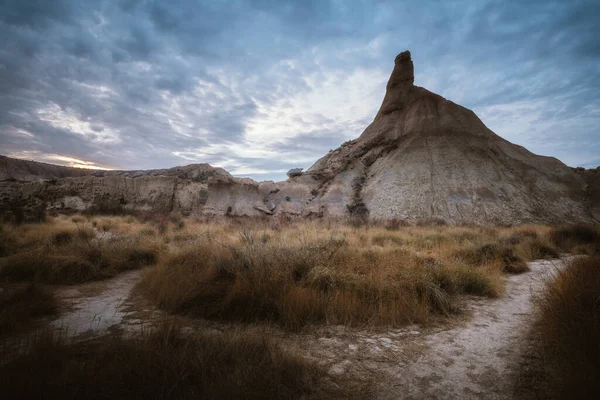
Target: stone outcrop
422,158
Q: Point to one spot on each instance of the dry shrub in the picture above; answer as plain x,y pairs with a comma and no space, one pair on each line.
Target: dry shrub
430,222
70,252
62,237
491,252
395,224
19,305
569,323
163,364
383,238
310,281
8,240
569,236
43,267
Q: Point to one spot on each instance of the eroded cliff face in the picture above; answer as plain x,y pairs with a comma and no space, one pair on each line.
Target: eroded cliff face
34,186
422,158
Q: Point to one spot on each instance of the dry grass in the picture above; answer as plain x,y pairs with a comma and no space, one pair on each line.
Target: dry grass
73,250
569,327
577,239
163,364
19,304
325,272
290,272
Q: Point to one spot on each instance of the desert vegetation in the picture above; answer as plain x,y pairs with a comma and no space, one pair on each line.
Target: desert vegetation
22,303
74,249
288,274
161,364
377,275
291,273
568,326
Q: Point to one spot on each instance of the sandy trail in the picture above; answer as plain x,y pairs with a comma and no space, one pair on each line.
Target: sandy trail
472,358
97,307
480,359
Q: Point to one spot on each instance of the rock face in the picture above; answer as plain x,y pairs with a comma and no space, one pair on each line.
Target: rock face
422,158
425,157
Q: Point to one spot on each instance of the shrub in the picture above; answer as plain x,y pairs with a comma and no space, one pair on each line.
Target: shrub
62,237
569,323
19,305
161,365
382,239
491,252
39,266
567,237
56,254
395,224
8,240
298,283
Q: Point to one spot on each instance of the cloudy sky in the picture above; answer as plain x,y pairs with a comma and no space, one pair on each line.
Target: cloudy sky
259,87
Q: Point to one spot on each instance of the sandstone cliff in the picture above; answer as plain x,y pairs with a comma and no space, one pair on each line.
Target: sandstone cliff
425,157
422,158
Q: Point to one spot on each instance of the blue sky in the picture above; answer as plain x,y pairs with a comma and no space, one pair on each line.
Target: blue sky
259,87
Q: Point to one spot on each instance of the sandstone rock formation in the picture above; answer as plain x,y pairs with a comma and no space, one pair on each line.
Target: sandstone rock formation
422,158
425,157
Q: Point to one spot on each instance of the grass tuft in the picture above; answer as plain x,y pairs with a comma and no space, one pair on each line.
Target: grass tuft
20,304
163,364
569,236
569,323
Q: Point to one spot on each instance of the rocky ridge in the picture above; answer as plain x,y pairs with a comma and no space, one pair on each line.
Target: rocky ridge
422,158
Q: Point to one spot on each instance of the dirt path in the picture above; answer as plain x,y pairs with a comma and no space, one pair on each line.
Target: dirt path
480,359
475,359
97,307
465,359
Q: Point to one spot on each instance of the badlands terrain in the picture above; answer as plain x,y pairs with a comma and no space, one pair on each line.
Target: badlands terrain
427,259
165,307
423,158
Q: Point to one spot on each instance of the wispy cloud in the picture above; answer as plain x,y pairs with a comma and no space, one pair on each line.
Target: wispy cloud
259,87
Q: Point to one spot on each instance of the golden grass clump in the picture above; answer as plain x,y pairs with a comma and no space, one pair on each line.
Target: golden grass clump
163,364
569,324
289,271
310,275
74,250
579,239
19,304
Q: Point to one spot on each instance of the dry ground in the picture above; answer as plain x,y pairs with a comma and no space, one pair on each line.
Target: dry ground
381,311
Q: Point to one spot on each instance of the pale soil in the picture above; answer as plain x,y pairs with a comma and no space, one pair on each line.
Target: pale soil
96,307
472,356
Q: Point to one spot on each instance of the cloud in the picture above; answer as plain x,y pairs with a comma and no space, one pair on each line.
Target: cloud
262,86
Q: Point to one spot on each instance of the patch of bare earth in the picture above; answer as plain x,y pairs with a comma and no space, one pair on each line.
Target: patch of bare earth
95,308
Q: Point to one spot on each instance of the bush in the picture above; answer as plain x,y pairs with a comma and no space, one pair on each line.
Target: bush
72,254
39,266
161,365
382,239
491,252
298,283
569,323
567,237
395,224
62,237
19,305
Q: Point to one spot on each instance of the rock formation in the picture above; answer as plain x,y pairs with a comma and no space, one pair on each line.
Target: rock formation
422,158
425,157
